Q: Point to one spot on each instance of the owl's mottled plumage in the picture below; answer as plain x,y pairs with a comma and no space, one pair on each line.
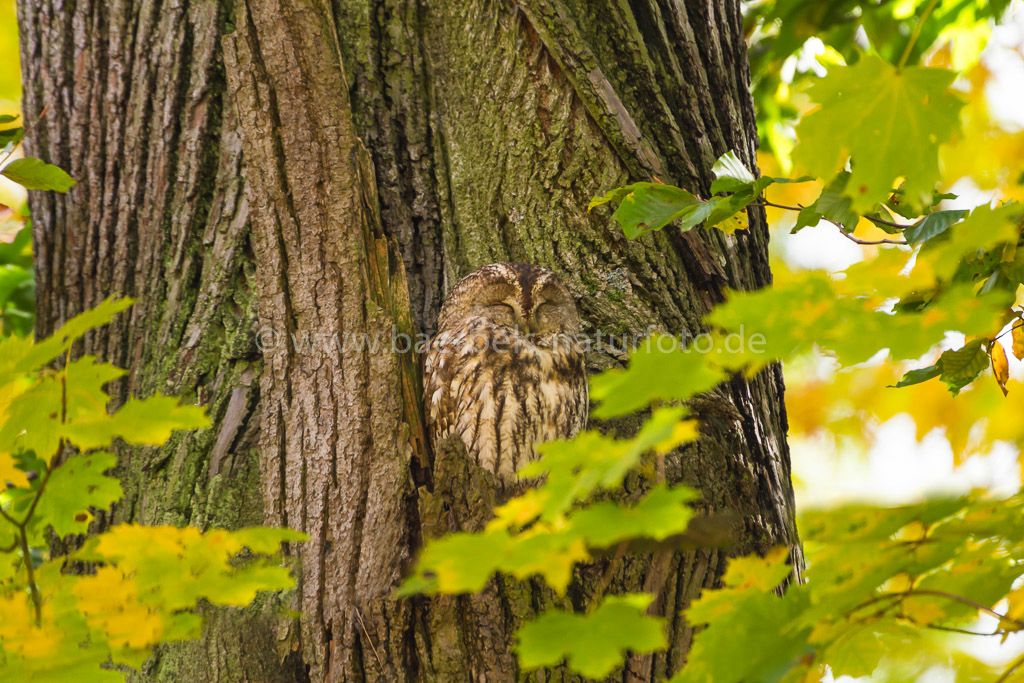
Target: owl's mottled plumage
505,370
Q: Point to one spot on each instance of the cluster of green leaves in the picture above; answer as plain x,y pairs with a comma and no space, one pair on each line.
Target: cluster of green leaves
945,270
647,207
881,586
900,32
143,583
878,580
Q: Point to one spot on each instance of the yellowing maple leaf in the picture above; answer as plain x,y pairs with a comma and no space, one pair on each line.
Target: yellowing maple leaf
1000,365
110,602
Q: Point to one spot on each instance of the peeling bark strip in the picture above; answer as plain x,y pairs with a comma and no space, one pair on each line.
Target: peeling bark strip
389,147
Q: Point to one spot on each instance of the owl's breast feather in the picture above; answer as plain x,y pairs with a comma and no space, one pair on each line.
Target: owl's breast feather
502,394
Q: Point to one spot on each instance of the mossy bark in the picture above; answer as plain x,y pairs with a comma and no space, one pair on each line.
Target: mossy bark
274,180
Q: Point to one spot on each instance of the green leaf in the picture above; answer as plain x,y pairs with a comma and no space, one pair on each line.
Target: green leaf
74,487
22,356
10,138
730,174
652,206
831,205
859,650
593,644
920,375
36,174
983,229
266,540
890,121
8,118
149,421
661,513
572,470
613,196
932,225
760,573
660,369
751,635
962,366
464,562
172,568
788,320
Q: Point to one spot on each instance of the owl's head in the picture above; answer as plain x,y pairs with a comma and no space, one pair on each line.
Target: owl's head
529,299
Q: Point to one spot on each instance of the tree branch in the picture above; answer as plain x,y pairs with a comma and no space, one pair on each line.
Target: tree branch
842,230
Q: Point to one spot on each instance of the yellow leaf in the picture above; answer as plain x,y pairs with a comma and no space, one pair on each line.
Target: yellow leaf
110,602
19,632
9,391
759,573
1016,604
9,474
1000,365
520,510
1018,340
684,432
923,610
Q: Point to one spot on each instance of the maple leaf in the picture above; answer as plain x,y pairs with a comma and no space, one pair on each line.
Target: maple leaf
890,121
592,643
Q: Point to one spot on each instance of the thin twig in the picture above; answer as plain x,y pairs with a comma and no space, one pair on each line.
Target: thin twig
964,631
1012,328
965,601
765,202
857,240
925,592
5,515
842,229
33,587
380,665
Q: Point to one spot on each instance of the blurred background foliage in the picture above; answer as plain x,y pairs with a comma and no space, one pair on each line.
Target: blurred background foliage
853,437
17,284
919,439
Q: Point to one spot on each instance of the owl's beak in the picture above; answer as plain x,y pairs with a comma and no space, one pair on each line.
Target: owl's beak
532,324
527,325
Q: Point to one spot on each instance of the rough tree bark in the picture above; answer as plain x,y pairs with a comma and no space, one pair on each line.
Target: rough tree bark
271,179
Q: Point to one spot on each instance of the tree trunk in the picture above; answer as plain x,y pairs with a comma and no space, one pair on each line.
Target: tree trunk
283,186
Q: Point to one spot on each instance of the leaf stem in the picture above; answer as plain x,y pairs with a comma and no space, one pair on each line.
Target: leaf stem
1017,663
22,526
964,631
964,601
916,33
765,202
33,588
857,240
1011,329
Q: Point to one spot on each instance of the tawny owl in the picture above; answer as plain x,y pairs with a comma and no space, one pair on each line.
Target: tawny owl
506,369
